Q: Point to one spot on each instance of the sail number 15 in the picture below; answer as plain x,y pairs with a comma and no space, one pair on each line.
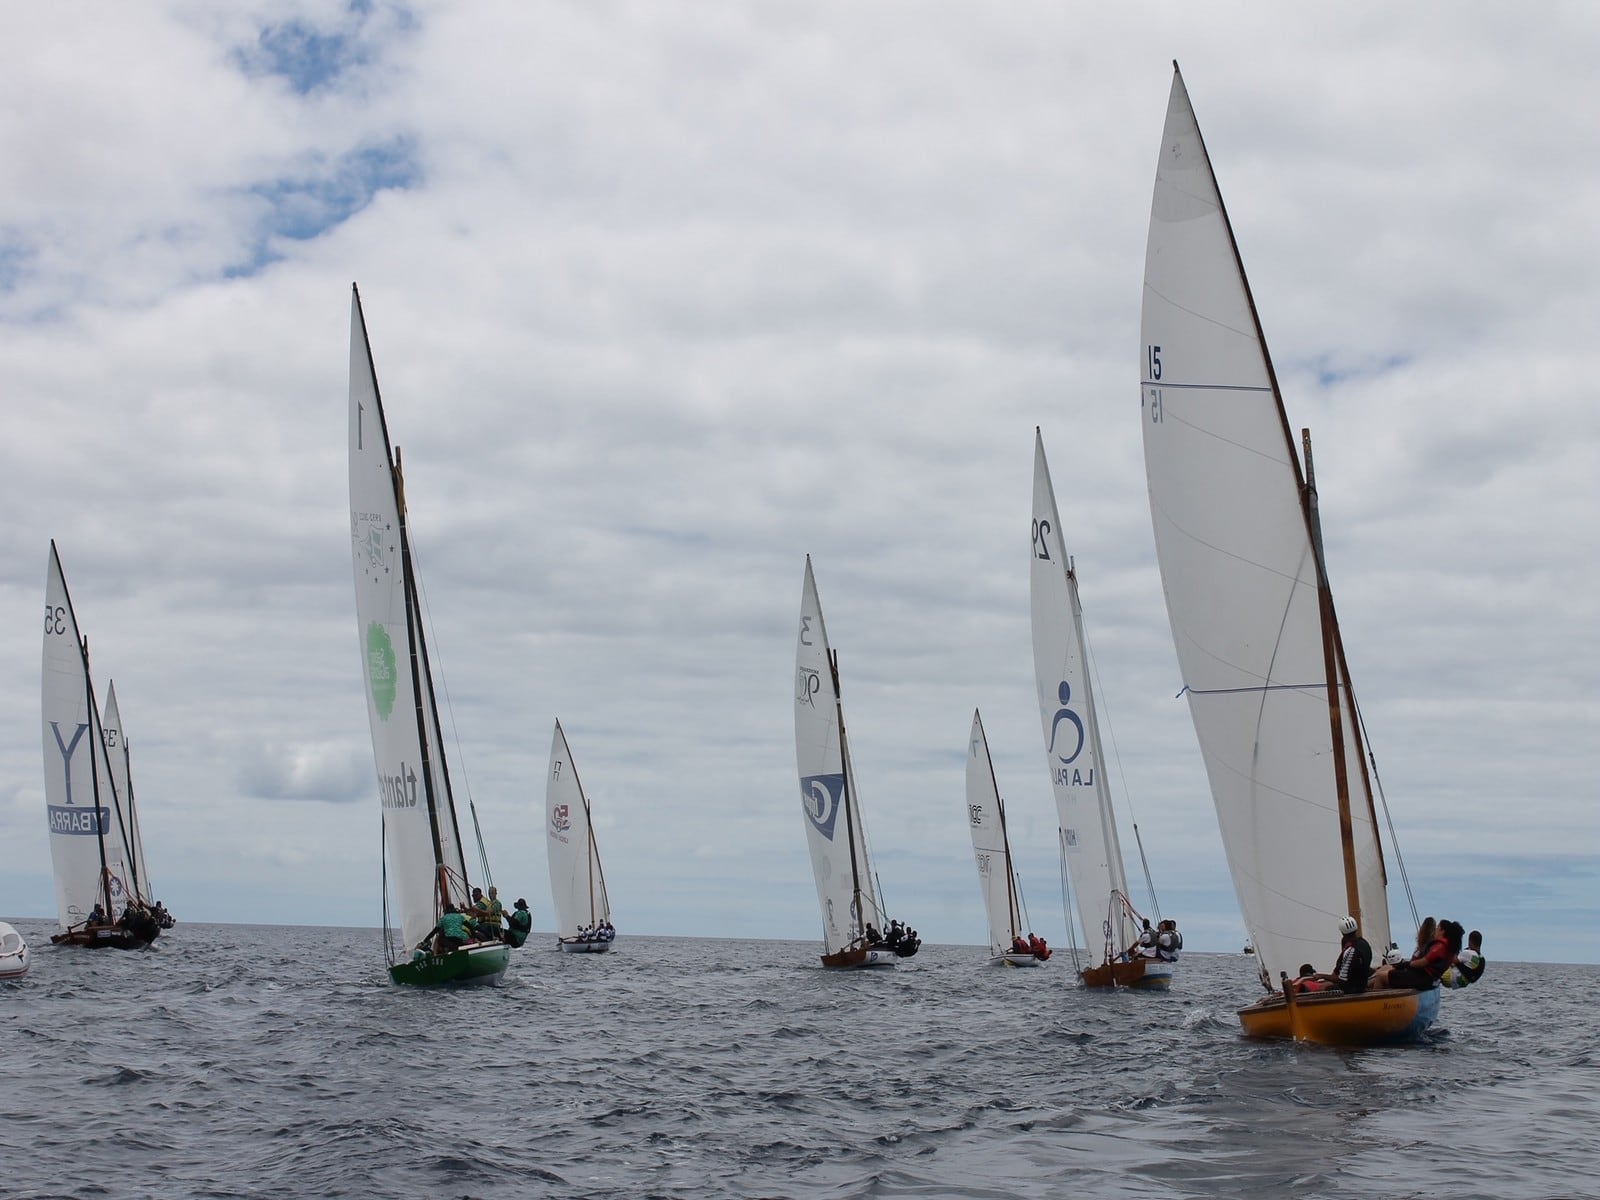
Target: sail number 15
1152,396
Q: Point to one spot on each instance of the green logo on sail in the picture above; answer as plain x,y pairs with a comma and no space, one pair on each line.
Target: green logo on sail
380,669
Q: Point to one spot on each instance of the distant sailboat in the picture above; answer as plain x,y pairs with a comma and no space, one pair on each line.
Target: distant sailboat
1238,541
577,883
853,924
1121,951
425,862
98,902
119,755
1009,944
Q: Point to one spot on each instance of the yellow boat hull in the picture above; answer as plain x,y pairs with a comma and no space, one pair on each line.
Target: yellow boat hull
1336,1019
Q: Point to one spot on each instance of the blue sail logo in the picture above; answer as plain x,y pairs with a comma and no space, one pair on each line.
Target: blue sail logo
820,796
1065,714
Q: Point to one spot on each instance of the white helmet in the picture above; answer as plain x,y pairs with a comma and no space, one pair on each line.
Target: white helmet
1347,926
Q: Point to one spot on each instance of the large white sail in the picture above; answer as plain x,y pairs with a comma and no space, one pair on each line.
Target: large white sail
118,754
1240,575
1072,730
87,848
419,824
827,785
987,819
577,884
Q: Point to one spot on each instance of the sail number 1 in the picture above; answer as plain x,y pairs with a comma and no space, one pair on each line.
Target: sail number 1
1152,398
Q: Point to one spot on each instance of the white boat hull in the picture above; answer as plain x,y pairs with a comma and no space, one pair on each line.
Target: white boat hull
13,953
571,946
1014,960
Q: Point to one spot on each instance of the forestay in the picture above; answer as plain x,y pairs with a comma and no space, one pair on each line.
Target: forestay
827,785
987,819
86,830
1233,540
1072,730
577,884
419,823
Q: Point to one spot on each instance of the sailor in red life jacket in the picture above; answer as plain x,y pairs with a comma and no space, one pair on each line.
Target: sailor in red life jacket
1037,946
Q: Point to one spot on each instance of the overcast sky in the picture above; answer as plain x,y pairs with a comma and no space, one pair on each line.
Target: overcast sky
664,297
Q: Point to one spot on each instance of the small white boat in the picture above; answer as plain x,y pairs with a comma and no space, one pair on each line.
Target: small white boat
13,953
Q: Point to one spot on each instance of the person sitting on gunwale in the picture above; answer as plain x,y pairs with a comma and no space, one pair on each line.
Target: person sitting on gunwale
518,924
1353,971
1427,965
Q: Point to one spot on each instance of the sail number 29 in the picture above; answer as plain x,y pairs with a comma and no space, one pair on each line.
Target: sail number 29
1152,399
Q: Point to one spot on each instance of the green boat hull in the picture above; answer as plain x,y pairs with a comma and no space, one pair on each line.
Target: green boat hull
476,965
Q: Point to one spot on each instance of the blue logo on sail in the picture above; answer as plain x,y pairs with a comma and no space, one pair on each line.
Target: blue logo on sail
821,795
1067,715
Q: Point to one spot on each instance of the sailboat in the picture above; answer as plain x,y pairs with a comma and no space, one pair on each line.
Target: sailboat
422,839
1258,644
89,848
1112,928
986,815
577,884
119,756
854,932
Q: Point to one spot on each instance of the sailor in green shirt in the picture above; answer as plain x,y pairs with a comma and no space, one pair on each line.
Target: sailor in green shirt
519,921
452,930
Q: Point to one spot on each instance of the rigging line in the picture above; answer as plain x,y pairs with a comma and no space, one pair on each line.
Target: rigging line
455,731
1066,901
383,864
1103,708
1027,921
1388,817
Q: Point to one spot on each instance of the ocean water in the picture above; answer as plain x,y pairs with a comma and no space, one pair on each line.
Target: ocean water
243,1061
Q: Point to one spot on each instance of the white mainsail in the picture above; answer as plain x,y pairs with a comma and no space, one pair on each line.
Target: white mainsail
419,821
577,884
1072,730
828,796
118,753
87,839
1238,565
986,816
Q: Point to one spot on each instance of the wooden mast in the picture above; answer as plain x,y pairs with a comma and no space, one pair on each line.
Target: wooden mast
1331,667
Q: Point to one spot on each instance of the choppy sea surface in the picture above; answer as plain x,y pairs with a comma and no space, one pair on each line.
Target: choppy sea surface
244,1061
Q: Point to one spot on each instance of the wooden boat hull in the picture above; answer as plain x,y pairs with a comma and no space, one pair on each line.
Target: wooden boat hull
1382,1018
860,956
571,946
102,937
1140,974
475,964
